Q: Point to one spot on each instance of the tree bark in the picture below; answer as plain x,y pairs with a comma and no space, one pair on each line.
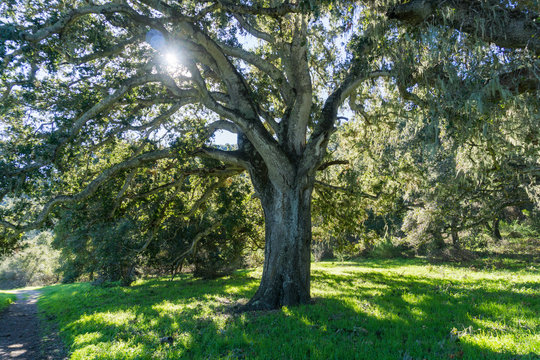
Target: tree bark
286,272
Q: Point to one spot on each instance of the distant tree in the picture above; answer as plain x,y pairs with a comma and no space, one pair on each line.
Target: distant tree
77,76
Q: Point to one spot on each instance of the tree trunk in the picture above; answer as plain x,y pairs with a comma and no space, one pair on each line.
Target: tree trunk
286,273
438,240
455,234
496,231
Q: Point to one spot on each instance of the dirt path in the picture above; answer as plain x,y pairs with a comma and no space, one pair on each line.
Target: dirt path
20,332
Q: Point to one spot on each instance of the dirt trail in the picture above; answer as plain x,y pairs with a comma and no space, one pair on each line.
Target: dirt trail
20,332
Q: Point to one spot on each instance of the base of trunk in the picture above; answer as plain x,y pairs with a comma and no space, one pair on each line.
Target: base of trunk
286,273
286,294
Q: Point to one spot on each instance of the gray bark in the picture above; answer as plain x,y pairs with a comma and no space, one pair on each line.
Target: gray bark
286,272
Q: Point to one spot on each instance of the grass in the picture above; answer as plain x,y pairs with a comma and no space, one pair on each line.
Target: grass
6,299
372,309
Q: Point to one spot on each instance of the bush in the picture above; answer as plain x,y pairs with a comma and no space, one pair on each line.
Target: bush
34,264
322,250
5,300
389,248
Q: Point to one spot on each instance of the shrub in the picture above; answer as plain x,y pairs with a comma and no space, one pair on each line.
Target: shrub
35,263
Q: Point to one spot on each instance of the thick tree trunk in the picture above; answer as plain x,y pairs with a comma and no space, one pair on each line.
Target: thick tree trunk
286,273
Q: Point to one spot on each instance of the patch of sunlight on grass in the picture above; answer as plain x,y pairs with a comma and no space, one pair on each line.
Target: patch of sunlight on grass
168,307
391,309
107,318
121,350
417,314
237,289
507,311
87,338
185,339
508,324
506,343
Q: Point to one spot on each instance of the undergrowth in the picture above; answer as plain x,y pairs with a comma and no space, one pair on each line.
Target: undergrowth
6,300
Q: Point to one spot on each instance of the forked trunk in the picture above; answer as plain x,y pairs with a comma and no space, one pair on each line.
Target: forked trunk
286,273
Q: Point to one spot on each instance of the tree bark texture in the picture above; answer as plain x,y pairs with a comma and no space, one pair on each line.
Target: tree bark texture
286,272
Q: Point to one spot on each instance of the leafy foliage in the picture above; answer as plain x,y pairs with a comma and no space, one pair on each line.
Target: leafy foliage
35,263
157,226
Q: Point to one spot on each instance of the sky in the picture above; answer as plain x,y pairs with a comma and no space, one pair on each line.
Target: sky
224,137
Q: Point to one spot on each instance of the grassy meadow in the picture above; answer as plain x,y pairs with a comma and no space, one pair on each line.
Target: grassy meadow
369,309
6,299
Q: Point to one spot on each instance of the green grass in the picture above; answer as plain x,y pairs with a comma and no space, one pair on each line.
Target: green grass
392,309
5,300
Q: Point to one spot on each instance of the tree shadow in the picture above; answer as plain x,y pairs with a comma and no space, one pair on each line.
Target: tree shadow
357,314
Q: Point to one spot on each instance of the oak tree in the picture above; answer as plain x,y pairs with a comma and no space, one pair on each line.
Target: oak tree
78,76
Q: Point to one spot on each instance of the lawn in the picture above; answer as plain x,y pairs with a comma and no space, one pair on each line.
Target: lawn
6,299
370,309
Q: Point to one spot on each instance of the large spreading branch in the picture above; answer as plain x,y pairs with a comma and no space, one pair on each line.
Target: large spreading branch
16,33
182,97
91,188
265,66
508,28
298,70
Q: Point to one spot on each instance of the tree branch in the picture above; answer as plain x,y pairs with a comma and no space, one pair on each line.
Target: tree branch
298,70
117,49
91,188
509,28
327,164
265,66
222,125
346,190
252,30
235,158
11,33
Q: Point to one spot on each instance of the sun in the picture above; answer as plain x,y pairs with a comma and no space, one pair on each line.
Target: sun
171,59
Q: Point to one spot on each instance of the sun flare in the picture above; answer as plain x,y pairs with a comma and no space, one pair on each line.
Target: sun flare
171,59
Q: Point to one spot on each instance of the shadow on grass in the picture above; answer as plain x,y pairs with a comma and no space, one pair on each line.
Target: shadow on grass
357,315
482,261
